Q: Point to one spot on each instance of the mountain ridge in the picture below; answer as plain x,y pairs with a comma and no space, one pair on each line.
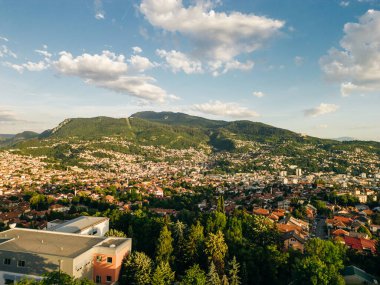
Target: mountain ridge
164,128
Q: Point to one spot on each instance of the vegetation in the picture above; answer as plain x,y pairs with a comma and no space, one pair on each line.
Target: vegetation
72,137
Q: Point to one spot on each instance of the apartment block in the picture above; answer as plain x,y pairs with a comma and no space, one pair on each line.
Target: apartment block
31,253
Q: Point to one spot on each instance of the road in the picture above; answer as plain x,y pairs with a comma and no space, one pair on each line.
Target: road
320,228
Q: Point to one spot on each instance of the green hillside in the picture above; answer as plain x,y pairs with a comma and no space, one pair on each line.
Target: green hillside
134,130
9,140
132,135
181,119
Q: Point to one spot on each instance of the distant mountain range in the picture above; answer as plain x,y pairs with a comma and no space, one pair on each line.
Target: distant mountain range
346,139
175,130
170,129
181,131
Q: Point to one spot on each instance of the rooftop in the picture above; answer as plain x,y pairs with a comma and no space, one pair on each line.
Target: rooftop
46,242
78,224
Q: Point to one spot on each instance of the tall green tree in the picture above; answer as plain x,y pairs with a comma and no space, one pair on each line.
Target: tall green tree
216,221
213,276
179,229
321,263
115,233
233,272
216,249
194,244
194,276
57,277
225,280
163,275
220,204
164,247
138,269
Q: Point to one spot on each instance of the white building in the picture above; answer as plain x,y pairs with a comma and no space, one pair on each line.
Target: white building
96,226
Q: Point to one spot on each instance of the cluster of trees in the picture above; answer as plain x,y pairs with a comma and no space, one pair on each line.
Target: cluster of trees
54,278
213,248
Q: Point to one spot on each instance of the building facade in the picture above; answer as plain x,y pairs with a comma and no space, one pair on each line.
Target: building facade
31,253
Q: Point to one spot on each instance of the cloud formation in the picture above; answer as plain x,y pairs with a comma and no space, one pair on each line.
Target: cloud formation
33,66
225,109
44,53
179,61
258,94
356,64
320,110
140,63
217,38
7,116
99,12
6,52
110,71
30,66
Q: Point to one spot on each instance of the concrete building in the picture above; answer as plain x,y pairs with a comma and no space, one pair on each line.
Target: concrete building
31,253
355,276
84,225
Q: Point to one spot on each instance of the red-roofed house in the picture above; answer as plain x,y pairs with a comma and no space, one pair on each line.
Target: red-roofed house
361,244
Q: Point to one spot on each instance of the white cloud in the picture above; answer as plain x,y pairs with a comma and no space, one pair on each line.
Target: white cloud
174,97
358,59
179,61
35,66
44,53
30,66
347,88
322,109
97,66
99,12
137,49
6,52
298,60
140,63
258,94
225,109
344,3
19,68
237,65
110,71
217,38
4,39
137,86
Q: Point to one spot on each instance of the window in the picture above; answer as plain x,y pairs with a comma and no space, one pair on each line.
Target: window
109,278
21,263
7,261
109,259
99,258
98,279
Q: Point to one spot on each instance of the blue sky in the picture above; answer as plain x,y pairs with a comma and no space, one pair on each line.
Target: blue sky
311,66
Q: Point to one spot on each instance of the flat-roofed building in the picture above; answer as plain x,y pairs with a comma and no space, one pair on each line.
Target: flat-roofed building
31,253
83,225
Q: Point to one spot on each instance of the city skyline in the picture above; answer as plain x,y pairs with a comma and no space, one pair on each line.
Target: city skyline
308,66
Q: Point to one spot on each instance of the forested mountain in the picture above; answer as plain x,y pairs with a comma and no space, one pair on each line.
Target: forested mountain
253,143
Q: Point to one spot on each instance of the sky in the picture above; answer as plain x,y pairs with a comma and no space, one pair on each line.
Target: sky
310,66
